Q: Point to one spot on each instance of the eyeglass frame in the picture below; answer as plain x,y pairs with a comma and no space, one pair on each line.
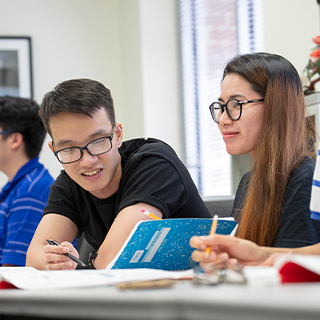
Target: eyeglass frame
6,132
110,137
226,108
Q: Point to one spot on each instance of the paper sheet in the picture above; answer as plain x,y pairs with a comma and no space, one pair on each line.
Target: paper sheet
28,278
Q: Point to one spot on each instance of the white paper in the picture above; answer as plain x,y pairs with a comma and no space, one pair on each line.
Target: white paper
28,278
261,276
265,276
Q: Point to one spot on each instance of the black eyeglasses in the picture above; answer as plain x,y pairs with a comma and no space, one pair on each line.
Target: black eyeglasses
5,132
233,108
94,148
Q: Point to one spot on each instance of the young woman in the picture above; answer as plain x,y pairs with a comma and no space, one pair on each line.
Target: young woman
261,111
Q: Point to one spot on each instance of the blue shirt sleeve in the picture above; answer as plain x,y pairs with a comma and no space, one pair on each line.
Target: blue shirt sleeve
24,217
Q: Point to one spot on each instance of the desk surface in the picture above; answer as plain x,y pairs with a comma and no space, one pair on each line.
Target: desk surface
183,301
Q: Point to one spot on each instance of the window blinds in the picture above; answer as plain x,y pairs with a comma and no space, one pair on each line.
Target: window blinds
212,32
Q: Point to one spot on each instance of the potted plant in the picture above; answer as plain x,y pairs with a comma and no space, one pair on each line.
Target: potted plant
312,70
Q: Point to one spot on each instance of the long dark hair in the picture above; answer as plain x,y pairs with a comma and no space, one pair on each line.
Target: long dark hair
281,145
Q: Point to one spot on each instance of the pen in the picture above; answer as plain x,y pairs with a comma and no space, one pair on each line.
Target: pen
70,256
151,215
212,231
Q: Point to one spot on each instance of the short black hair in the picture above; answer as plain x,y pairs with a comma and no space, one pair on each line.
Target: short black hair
21,115
81,96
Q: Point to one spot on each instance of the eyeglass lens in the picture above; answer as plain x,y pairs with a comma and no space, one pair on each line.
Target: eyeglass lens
95,148
233,110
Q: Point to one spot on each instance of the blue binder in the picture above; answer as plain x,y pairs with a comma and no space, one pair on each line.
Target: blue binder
164,244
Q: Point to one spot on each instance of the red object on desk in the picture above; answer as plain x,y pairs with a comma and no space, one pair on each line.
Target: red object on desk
6,285
292,272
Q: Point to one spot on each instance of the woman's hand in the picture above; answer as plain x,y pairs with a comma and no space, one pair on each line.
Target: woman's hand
227,249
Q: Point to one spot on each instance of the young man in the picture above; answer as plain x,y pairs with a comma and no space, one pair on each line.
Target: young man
24,197
106,183
234,249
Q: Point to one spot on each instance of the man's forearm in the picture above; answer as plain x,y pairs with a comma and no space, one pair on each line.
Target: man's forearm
34,257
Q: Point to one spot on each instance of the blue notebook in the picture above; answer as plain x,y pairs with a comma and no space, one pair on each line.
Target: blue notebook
164,244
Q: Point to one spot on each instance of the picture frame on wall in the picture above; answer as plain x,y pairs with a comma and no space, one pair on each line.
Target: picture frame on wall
16,67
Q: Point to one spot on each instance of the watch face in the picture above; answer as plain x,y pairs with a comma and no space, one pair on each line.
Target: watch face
92,256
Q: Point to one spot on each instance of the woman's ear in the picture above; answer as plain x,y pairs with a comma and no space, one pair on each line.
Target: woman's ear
119,134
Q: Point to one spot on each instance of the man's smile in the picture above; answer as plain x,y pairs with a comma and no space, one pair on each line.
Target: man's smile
91,173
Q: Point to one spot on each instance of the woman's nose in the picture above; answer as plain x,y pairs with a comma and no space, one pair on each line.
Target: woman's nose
224,118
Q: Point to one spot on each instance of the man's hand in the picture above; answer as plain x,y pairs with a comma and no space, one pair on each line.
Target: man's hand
54,258
228,249
43,256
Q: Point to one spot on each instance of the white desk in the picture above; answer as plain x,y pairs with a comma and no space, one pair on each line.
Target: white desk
183,301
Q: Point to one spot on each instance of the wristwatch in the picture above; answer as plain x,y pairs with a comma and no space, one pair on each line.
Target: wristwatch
92,257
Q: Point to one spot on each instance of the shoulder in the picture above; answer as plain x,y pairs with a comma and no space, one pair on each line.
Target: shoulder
135,151
40,176
307,162
36,183
300,180
304,171
145,146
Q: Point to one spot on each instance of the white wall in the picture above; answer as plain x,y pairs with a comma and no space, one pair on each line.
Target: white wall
125,44
160,59
289,26
132,47
150,70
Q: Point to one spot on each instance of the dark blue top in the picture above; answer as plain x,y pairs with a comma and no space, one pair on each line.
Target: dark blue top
296,228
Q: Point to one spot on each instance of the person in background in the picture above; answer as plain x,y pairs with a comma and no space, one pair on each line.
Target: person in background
25,195
106,182
233,249
261,111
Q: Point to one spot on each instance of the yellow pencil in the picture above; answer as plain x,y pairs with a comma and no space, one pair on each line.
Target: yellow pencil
151,215
212,231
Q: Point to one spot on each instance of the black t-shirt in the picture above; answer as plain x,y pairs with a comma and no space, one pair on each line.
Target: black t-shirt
151,173
296,228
